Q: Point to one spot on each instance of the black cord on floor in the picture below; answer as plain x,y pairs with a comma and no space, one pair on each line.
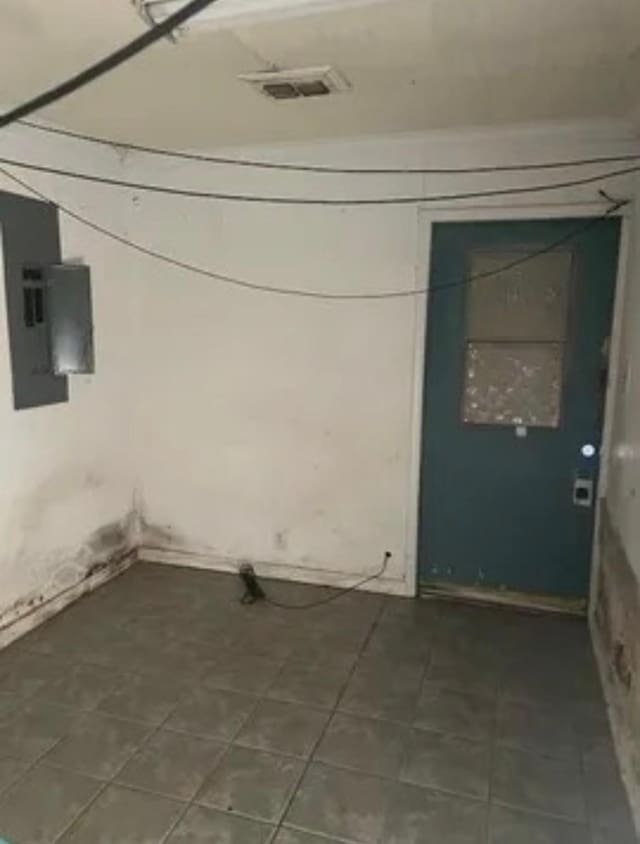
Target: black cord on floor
254,591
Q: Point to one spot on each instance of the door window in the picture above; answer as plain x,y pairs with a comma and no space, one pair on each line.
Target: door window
516,333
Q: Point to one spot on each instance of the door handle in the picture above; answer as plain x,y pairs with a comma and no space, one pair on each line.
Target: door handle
583,492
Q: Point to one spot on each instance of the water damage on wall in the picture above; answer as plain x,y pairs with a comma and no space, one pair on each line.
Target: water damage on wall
616,630
103,554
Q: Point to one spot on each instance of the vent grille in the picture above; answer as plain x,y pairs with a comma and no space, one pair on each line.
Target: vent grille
297,84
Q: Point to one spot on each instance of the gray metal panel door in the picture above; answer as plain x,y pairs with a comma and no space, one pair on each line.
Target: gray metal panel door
70,319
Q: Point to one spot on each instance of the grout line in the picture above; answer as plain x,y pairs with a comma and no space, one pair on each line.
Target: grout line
335,839
29,766
411,726
229,745
111,781
493,749
525,810
305,768
589,819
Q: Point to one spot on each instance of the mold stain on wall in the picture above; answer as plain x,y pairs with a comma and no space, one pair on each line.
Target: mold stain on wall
104,553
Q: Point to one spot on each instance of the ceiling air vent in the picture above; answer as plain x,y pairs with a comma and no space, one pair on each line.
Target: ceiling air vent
297,84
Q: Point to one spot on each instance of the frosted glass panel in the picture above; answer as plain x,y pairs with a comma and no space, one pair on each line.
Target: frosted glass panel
528,302
513,384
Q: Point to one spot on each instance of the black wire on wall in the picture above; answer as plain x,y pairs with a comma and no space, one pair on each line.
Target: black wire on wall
327,169
221,196
614,207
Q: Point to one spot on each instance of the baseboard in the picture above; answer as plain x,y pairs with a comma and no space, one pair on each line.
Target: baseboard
278,571
51,605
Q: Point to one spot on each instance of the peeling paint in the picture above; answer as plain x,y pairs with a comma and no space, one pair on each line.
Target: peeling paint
616,629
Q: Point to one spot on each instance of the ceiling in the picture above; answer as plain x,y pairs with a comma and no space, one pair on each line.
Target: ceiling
413,64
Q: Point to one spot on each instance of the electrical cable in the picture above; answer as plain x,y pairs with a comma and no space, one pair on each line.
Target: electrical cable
327,169
109,63
335,596
256,199
298,292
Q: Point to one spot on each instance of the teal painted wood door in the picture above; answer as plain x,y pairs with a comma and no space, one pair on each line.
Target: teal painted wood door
516,368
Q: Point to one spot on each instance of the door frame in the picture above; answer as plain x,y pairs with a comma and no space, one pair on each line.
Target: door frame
427,216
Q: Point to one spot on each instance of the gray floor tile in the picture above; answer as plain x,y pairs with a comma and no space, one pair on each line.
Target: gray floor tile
456,713
448,763
601,835
539,783
408,614
396,643
99,745
508,826
81,686
252,782
242,673
38,808
35,730
467,674
123,816
288,728
607,799
545,677
343,804
24,673
294,836
379,690
208,826
313,684
590,722
313,650
10,771
536,728
419,816
216,713
364,744
197,657
142,698
9,706
56,636
173,764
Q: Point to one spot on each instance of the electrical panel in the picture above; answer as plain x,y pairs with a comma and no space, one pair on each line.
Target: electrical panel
70,319
48,304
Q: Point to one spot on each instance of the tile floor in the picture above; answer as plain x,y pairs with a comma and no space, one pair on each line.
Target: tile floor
159,709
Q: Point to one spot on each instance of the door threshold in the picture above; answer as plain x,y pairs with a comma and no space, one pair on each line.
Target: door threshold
505,597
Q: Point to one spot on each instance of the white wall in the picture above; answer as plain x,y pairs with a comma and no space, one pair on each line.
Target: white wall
286,431
624,474
241,425
67,474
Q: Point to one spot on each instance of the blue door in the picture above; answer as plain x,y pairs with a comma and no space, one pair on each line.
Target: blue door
516,370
